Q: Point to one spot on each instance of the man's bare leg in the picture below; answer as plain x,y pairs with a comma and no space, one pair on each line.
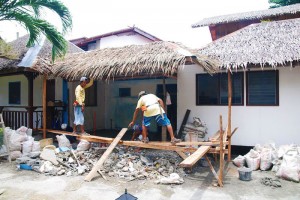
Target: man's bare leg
82,128
144,133
74,128
171,133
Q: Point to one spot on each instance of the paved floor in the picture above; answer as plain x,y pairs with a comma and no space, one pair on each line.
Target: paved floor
19,185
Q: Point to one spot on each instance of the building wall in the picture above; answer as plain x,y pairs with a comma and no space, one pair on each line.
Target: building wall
121,108
257,124
119,41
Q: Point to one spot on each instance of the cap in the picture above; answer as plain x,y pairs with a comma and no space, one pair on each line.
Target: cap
142,93
83,79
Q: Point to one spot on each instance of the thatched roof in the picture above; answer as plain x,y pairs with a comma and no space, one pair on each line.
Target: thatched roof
260,14
40,60
267,43
149,60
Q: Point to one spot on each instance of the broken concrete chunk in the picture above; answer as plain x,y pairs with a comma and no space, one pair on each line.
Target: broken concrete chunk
49,155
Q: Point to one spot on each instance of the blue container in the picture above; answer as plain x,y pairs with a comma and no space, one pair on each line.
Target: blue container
25,166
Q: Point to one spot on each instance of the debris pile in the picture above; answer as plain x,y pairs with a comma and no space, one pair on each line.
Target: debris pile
195,131
284,161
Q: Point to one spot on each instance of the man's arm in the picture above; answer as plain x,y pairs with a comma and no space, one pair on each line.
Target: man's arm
89,83
134,117
161,103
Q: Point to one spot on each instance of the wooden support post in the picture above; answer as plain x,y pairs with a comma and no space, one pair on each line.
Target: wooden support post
44,106
99,164
229,114
221,151
164,128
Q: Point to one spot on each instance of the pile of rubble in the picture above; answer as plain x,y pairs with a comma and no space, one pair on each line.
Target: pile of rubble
123,163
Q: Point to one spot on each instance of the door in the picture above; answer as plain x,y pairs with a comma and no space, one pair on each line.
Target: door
171,109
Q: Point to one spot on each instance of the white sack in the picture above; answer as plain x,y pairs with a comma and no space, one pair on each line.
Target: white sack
63,141
83,145
239,161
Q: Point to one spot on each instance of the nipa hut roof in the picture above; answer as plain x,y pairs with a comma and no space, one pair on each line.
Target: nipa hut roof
267,43
260,14
41,60
149,60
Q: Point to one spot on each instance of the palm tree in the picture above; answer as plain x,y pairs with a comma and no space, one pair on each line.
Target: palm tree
27,13
279,3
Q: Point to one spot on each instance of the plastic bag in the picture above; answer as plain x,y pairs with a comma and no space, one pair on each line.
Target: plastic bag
266,159
253,160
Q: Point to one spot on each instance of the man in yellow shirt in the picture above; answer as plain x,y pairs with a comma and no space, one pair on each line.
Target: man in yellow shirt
152,107
79,103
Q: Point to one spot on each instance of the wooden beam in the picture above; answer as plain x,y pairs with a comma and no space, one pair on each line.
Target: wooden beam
229,114
186,116
192,159
44,106
221,151
99,164
181,154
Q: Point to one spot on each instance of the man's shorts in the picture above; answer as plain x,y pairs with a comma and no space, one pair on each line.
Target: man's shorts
78,114
159,120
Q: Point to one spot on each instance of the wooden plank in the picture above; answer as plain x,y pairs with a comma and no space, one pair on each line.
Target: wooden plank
229,112
99,164
213,171
186,116
192,159
181,154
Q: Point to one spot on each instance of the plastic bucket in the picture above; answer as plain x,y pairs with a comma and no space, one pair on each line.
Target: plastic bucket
245,173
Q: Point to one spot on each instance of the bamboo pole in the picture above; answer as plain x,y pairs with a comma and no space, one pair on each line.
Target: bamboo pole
44,106
229,114
221,152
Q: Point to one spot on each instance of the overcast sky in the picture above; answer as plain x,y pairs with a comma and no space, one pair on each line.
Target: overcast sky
168,20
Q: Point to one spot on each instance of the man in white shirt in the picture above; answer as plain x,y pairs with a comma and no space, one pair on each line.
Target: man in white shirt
152,108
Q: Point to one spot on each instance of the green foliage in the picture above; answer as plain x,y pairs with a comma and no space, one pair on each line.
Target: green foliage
27,13
279,3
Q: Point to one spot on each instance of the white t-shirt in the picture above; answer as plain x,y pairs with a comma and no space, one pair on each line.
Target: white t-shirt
152,104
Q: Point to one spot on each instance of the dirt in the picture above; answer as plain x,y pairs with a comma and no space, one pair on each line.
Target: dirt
22,184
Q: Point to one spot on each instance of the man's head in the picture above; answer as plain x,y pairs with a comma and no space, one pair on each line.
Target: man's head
142,93
83,81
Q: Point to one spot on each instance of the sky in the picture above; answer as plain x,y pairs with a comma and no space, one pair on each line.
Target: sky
165,19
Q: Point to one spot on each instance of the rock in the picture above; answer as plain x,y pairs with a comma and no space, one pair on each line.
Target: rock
146,161
49,155
69,173
174,178
125,169
71,160
61,172
2,191
111,174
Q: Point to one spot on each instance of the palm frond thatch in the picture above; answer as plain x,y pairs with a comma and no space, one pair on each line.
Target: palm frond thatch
19,50
268,43
260,14
157,58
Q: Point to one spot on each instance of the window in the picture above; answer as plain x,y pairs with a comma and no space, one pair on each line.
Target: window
213,90
14,90
91,95
124,92
262,88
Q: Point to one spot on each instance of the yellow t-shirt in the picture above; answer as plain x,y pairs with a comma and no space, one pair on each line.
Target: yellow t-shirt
80,92
152,104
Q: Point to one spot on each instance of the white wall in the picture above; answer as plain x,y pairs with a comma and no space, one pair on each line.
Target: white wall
119,41
257,124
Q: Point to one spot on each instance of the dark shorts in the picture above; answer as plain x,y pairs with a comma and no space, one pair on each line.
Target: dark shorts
159,120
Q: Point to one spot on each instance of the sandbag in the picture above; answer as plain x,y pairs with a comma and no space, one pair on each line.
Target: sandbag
83,145
27,146
239,161
253,160
289,168
63,141
266,159
15,154
16,140
36,146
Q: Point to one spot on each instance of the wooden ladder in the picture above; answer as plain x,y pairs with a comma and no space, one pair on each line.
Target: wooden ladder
4,139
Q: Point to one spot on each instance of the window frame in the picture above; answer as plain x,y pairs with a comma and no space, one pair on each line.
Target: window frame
277,88
219,90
